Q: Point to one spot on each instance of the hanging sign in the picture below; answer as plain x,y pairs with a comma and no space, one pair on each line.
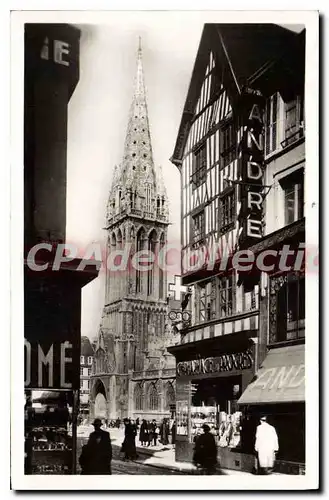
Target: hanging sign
223,363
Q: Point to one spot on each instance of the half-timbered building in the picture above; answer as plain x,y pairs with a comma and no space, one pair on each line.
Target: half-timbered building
279,389
219,152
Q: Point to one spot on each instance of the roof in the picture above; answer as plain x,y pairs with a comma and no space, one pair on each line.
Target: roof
86,348
280,379
241,51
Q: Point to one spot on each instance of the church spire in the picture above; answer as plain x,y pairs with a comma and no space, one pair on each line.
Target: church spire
136,186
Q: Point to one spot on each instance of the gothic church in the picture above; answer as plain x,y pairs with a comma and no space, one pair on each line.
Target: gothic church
133,374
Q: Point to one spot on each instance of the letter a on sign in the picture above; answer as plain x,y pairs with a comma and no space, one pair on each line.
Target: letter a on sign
255,114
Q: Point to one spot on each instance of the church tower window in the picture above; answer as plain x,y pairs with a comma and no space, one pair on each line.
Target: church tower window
161,265
170,396
139,247
150,272
154,398
138,398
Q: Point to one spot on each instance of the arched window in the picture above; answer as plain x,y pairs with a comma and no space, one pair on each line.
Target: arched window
161,266
170,396
138,397
139,246
154,398
150,272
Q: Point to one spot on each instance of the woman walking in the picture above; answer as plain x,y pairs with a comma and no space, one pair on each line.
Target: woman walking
144,433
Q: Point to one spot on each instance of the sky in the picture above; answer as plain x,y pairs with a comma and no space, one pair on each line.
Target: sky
97,121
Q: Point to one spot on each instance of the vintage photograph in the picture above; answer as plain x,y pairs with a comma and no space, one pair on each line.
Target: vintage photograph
165,260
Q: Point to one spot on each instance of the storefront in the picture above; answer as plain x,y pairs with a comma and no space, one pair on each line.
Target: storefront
52,292
211,375
278,391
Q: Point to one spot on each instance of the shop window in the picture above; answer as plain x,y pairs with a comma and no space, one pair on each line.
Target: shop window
198,226
214,402
287,307
182,417
226,211
81,372
89,372
271,123
226,296
293,188
227,145
199,167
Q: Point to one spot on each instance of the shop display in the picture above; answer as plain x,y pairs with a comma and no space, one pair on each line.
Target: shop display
224,426
48,440
182,418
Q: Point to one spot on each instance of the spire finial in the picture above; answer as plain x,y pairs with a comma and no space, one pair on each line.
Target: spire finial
139,44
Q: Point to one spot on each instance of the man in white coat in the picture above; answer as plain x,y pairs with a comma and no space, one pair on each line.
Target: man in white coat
266,445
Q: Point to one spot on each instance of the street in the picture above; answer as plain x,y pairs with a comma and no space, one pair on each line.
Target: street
119,466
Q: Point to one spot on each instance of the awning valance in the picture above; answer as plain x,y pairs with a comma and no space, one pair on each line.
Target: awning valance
280,379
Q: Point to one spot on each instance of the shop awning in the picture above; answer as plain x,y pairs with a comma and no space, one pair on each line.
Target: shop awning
280,379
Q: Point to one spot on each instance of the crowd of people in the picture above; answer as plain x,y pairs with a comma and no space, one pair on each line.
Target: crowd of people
96,455
150,432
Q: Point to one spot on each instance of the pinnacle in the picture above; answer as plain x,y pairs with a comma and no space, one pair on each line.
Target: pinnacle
136,178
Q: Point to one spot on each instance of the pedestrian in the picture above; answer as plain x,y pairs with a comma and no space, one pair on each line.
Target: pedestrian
266,446
137,423
153,435
205,452
173,433
144,433
164,432
129,445
96,455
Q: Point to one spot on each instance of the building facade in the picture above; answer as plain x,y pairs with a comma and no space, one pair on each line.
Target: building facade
224,187
86,363
133,373
52,297
279,390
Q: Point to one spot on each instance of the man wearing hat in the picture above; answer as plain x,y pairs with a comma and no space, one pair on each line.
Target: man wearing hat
96,455
205,451
266,446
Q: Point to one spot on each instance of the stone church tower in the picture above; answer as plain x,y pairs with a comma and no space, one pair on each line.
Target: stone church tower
133,374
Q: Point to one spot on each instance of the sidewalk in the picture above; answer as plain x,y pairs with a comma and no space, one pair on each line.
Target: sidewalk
159,456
